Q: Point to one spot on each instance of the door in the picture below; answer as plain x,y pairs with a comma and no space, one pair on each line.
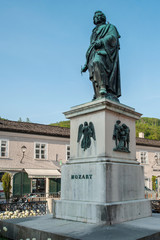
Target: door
54,185
21,184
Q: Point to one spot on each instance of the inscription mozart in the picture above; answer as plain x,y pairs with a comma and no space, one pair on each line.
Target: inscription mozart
87,176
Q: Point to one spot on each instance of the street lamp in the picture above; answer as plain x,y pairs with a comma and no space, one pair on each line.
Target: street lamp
23,148
156,158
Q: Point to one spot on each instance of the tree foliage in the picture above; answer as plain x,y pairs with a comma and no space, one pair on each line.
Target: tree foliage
62,124
3,118
27,120
6,183
154,182
149,126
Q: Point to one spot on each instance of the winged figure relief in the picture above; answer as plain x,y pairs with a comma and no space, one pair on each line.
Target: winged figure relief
87,131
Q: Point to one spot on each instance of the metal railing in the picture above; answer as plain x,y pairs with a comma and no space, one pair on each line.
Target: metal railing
41,206
151,195
156,206
29,197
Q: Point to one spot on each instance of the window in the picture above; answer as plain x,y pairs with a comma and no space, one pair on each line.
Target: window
67,152
146,183
144,157
40,151
3,148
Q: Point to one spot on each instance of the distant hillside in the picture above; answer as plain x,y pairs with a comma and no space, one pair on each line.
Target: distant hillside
62,124
149,126
3,118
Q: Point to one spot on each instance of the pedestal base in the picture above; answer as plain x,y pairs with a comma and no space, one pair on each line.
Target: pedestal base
108,213
99,184
102,192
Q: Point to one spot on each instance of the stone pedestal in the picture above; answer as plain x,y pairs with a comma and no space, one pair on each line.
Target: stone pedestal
100,185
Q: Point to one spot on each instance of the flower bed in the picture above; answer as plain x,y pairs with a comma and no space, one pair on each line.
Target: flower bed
18,214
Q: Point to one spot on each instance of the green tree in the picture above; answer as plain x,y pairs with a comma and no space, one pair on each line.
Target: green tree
20,119
6,183
3,118
150,127
62,124
28,120
154,182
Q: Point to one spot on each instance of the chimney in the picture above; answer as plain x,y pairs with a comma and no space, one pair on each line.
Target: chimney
141,135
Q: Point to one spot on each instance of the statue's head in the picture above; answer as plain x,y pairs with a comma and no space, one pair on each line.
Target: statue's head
124,125
99,17
85,124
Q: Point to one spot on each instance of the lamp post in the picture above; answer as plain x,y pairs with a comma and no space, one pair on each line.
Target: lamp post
156,158
23,148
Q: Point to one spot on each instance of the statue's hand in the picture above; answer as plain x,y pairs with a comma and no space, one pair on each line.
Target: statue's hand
98,44
84,68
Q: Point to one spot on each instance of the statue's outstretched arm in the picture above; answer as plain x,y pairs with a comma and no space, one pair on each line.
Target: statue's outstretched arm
84,68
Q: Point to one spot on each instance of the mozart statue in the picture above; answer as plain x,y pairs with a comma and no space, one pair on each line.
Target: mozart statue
102,59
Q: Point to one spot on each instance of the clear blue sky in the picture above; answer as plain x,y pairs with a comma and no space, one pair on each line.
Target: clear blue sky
43,45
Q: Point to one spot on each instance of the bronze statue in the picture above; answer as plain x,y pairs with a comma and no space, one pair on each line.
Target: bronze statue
87,130
102,59
116,132
121,135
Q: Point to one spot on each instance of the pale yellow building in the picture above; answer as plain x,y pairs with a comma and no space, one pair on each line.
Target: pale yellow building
148,154
33,155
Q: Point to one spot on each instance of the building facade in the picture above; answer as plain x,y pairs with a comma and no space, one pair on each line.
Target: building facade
33,155
148,154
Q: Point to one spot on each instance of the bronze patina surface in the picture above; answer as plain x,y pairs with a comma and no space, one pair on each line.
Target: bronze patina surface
87,130
102,59
121,135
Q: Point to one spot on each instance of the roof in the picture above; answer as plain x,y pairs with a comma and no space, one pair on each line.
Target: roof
34,128
147,142
48,130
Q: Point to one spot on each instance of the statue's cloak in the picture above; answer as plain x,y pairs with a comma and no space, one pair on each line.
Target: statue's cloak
108,36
